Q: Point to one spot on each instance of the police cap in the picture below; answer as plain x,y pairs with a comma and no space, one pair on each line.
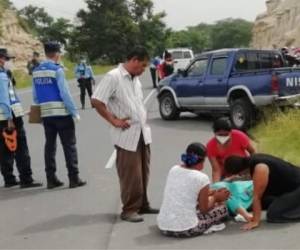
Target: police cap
52,47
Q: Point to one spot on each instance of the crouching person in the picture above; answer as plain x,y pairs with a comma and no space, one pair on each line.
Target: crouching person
189,208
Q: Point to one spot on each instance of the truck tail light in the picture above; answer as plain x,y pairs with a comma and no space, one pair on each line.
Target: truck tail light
275,85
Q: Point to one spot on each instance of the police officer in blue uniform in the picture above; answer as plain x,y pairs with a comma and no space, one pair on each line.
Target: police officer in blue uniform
11,113
85,78
58,112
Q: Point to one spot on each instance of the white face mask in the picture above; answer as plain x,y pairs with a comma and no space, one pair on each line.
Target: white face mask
8,65
222,139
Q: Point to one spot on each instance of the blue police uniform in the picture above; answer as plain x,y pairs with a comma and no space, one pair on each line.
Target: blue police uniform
85,76
51,92
11,109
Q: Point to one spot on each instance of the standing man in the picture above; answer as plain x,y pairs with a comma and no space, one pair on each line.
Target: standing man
119,100
153,70
11,113
85,78
51,92
33,63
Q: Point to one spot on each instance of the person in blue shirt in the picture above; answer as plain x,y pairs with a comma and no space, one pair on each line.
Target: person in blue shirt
58,112
153,70
85,77
11,113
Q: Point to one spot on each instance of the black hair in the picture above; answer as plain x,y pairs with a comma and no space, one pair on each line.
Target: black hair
167,54
195,153
139,52
198,149
222,123
236,164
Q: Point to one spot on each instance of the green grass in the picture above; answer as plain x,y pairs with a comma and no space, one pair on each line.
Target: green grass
24,80
279,135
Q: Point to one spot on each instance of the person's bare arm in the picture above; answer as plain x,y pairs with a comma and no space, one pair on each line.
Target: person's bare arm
108,116
243,212
206,202
251,149
260,182
216,170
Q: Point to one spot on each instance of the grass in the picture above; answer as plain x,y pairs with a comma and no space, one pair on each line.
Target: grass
279,135
24,80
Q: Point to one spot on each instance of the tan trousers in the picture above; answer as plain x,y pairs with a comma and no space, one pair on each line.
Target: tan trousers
133,171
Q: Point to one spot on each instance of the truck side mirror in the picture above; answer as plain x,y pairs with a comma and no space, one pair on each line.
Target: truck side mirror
182,72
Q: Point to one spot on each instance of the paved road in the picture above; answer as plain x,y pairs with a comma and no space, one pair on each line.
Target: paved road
87,218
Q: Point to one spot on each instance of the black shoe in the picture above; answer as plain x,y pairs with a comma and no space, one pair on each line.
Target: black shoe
54,183
148,210
134,217
76,182
11,184
30,184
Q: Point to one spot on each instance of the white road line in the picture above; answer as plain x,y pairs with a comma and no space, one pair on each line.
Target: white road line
113,156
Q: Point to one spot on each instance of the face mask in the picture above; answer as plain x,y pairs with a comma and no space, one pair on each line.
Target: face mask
8,65
222,139
83,61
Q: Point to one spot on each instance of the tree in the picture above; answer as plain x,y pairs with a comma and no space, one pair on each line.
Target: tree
109,28
230,33
45,26
36,17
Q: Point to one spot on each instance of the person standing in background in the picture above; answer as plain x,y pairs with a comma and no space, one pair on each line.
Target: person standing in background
85,78
34,62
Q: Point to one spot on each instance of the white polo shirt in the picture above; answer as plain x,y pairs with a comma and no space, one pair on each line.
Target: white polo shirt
123,97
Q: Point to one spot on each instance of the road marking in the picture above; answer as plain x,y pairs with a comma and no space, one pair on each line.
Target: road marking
113,156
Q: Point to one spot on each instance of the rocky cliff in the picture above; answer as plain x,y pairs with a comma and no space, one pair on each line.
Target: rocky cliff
278,26
16,39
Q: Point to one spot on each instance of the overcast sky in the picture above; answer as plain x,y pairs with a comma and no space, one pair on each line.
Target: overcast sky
180,13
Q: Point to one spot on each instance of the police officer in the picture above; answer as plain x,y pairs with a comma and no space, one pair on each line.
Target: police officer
85,78
51,92
11,113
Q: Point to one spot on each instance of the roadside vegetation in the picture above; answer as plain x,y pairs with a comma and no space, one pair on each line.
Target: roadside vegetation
279,134
24,80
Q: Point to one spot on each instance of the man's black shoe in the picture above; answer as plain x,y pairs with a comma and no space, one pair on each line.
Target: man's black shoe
11,184
30,184
134,218
148,210
54,183
76,182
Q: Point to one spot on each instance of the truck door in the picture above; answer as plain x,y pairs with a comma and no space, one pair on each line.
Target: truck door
189,84
215,87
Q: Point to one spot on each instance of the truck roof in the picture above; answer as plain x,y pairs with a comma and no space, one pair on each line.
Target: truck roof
226,51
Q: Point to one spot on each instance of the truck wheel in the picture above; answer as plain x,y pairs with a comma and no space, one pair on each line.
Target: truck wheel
167,107
241,114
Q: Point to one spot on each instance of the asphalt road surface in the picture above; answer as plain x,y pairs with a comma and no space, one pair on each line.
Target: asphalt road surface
88,217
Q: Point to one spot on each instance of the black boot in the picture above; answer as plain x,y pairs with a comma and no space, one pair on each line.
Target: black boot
54,182
11,183
31,184
75,182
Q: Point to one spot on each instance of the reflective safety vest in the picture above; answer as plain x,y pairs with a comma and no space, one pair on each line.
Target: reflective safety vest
47,91
15,103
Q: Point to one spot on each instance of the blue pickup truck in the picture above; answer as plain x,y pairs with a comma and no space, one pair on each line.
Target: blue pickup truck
238,82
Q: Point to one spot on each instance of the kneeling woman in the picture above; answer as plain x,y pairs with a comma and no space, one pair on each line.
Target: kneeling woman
188,209
276,187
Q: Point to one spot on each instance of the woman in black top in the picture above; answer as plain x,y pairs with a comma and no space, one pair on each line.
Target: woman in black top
276,187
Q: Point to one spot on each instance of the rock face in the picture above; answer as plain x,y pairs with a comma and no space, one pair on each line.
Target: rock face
16,40
278,26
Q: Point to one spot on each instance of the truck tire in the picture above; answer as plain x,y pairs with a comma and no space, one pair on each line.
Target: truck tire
167,107
242,114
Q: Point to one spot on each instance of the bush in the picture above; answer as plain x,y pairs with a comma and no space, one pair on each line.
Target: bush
278,134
